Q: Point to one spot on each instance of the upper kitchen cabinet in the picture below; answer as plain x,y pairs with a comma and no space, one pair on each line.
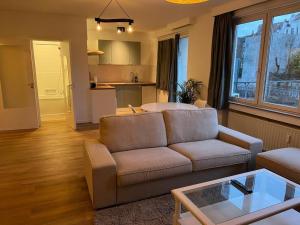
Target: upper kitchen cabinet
120,52
106,47
134,53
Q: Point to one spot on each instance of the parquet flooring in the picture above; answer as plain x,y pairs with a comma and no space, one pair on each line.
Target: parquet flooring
41,177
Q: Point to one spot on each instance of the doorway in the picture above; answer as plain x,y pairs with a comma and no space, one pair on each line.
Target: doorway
53,81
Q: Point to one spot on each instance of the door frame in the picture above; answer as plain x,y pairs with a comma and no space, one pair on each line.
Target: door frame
74,124
31,122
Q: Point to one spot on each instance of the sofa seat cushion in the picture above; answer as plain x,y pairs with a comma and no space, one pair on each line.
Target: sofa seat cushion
212,153
284,162
142,165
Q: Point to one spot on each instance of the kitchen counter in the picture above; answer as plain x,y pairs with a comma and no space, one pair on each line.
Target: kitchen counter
106,94
126,83
103,102
104,86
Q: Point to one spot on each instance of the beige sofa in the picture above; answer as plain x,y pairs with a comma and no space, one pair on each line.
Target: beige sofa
148,154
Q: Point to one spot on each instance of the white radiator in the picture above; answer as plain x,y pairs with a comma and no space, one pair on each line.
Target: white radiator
273,134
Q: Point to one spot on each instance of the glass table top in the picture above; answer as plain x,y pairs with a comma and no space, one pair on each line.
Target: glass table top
224,201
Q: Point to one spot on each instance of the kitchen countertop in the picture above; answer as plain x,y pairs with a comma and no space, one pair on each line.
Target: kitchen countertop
104,86
127,83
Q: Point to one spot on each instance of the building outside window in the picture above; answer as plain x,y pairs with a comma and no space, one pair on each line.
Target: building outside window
247,45
266,60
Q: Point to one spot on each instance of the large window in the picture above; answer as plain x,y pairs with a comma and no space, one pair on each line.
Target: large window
182,60
266,60
282,83
247,45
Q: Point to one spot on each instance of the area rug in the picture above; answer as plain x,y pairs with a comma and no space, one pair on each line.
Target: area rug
154,211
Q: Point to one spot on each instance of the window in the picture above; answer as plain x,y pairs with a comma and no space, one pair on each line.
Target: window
246,58
266,60
182,60
282,85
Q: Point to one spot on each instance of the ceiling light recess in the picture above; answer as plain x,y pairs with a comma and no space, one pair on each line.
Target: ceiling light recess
120,29
186,1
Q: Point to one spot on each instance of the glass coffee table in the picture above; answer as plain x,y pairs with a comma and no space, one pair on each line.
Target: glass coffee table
242,199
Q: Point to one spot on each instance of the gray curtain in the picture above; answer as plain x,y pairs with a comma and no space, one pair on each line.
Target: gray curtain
173,76
164,63
220,72
166,77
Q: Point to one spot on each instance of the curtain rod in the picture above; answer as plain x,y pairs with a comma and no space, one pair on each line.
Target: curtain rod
171,35
263,7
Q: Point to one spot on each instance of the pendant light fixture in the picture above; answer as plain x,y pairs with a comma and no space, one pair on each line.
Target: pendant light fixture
186,1
120,29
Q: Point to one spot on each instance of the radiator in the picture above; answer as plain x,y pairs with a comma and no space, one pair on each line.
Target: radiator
274,135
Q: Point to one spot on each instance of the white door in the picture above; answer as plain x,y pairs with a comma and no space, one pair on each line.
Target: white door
17,95
50,81
66,69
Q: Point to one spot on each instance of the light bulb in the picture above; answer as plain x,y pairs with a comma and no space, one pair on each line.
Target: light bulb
120,30
130,29
99,28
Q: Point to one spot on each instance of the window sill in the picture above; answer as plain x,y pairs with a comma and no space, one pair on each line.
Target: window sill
270,114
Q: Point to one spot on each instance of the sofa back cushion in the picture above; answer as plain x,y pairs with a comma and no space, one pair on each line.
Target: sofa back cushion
136,131
191,125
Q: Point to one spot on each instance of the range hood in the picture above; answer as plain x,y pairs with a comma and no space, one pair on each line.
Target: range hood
95,52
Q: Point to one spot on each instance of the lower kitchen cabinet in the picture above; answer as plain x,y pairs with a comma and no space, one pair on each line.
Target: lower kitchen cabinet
148,94
103,103
129,95
135,95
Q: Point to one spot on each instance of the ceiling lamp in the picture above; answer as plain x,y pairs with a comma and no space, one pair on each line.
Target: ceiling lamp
186,1
120,29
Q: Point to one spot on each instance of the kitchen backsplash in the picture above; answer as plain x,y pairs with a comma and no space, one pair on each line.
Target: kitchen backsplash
122,73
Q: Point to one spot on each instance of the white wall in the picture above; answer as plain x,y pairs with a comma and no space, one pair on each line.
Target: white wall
57,28
200,41
38,26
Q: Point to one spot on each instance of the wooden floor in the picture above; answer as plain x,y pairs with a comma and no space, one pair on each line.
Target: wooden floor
41,177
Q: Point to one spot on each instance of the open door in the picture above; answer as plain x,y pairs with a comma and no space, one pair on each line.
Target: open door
66,69
18,109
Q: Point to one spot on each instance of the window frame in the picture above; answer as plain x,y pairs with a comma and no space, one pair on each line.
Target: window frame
238,21
188,52
267,18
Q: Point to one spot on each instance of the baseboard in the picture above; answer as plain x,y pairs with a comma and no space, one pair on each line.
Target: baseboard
87,126
51,117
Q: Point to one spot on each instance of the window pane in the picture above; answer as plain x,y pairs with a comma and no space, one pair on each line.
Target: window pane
282,85
182,60
246,53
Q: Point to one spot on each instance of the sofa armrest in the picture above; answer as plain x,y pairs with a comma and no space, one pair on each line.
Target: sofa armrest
254,145
100,174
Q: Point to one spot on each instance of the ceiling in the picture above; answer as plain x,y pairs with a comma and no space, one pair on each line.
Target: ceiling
148,14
